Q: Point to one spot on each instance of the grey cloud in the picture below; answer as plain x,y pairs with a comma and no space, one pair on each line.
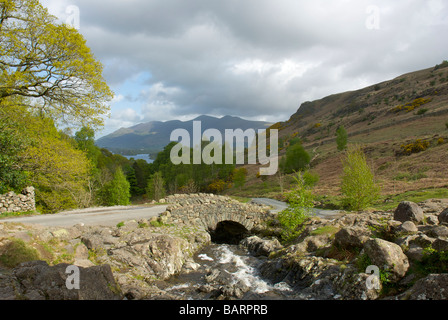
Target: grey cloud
191,49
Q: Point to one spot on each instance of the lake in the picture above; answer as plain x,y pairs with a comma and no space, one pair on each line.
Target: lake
141,156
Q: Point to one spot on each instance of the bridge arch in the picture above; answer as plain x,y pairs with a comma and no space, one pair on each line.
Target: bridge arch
223,217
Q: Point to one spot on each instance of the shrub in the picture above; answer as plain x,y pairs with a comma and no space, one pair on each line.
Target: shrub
417,146
300,202
310,178
155,189
218,186
411,106
421,111
440,141
444,64
296,159
17,251
341,138
358,184
117,191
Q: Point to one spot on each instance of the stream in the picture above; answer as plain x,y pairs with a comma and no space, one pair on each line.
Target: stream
229,271
225,271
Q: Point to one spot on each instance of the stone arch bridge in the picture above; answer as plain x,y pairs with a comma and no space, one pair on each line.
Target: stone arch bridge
226,220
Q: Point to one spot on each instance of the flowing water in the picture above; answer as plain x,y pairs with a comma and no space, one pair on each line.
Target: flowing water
224,265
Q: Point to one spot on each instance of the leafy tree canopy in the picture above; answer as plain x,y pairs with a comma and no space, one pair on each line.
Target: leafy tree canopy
50,65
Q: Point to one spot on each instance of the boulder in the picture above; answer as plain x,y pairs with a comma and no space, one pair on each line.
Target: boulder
438,232
440,245
432,219
388,257
352,237
443,216
408,211
432,287
408,227
261,247
415,253
36,280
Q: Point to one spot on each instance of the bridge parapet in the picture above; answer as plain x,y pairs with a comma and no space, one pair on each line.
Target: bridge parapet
208,211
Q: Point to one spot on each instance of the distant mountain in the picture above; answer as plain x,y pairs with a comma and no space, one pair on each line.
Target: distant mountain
153,136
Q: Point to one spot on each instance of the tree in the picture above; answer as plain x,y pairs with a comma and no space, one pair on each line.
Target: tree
50,65
300,201
341,138
296,159
59,172
239,177
156,189
117,191
12,143
85,139
358,184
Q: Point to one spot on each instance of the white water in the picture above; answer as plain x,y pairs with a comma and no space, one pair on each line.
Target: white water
246,273
241,267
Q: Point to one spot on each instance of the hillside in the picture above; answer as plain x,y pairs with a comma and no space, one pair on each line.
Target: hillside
152,137
382,118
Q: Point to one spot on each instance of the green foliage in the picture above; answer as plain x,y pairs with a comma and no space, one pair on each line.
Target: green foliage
155,189
444,64
117,191
180,178
16,251
421,111
310,178
49,64
296,159
300,201
341,138
358,184
59,172
433,261
12,144
239,177
417,146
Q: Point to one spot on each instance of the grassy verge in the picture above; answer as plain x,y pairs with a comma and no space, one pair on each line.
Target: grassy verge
17,214
391,202
388,202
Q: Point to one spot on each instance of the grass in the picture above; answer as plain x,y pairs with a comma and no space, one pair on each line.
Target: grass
241,199
17,214
329,230
389,202
16,251
413,196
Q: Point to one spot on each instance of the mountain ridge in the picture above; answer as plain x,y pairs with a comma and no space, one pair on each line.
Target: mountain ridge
151,137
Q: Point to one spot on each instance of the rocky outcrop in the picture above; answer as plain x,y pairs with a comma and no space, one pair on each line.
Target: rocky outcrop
134,253
261,247
342,264
354,256
432,287
36,280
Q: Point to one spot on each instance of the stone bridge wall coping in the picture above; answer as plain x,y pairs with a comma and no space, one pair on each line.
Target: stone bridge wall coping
207,210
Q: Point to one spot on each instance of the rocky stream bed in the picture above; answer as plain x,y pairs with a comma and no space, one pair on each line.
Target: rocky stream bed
159,260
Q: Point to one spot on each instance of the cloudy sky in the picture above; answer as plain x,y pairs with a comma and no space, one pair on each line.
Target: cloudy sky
258,59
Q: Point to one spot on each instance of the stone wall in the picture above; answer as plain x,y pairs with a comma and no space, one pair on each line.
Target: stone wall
12,202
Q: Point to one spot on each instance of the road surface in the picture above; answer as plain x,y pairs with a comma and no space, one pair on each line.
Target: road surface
279,206
93,216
